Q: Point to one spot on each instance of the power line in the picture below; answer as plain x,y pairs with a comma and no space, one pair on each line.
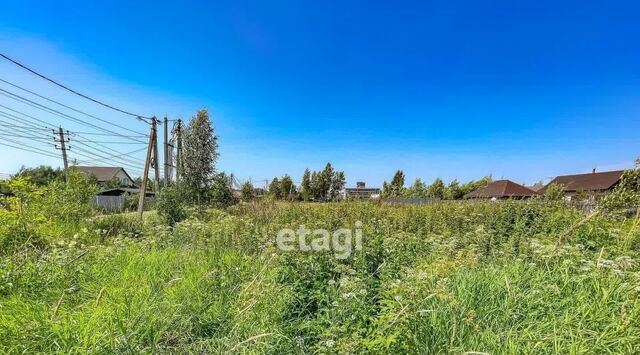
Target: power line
47,109
139,117
103,142
108,134
66,106
98,144
118,156
21,146
46,124
101,158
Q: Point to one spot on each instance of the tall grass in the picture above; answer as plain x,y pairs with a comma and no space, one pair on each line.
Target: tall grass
445,278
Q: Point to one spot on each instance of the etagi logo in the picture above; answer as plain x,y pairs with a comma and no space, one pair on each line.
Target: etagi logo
340,241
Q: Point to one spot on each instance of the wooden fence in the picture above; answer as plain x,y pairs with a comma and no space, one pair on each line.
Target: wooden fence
109,203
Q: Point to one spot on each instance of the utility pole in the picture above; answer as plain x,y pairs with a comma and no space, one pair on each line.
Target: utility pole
145,175
179,165
166,151
156,163
62,140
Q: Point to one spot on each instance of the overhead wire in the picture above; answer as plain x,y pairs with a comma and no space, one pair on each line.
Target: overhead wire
50,110
139,117
67,106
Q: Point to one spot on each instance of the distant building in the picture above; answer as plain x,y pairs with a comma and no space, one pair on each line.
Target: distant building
594,184
105,174
536,187
360,192
500,190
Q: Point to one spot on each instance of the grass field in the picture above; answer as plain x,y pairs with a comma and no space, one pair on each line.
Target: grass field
507,277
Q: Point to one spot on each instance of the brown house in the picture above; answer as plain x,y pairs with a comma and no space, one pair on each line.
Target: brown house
104,174
593,184
500,190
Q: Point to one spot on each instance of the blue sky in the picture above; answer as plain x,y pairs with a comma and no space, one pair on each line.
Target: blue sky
523,90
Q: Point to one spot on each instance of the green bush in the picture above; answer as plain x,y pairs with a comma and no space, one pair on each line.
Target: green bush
170,205
117,225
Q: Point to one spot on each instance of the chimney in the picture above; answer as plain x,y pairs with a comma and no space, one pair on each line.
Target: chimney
593,171
360,184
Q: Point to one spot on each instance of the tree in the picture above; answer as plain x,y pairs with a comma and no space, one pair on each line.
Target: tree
418,189
436,189
324,182
337,184
275,188
554,192
41,175
247,192
221,191
476,184
287,188
454,190
200,153
396,187
305,187
626,195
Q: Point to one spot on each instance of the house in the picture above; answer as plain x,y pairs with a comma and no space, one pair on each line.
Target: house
593,184
106,174
360,192
500,190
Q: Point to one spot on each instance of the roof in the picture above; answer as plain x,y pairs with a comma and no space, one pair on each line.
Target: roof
363,189
103,173
587,182
536,187
502,188
125,189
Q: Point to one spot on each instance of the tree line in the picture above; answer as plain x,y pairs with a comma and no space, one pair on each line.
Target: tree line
323,185
436,190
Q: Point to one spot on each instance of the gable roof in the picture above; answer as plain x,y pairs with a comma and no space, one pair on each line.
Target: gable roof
501,188
103,173
587,182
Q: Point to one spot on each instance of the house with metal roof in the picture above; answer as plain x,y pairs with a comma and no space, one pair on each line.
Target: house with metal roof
501,190
594,183
104,174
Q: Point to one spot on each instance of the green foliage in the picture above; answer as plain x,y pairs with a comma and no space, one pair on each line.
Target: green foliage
305,188
36,215
275,188
454,190
111,226
247,192
437,189
448,277
396,187
417,190
287,188
200,153
41,175
221,191
70,201
626,195
554,192
170,205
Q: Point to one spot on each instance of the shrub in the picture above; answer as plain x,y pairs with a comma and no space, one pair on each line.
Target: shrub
170,205
117,225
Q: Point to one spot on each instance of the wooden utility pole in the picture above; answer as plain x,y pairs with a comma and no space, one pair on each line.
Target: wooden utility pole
147,164
166,151
63,148
179,165
156,162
